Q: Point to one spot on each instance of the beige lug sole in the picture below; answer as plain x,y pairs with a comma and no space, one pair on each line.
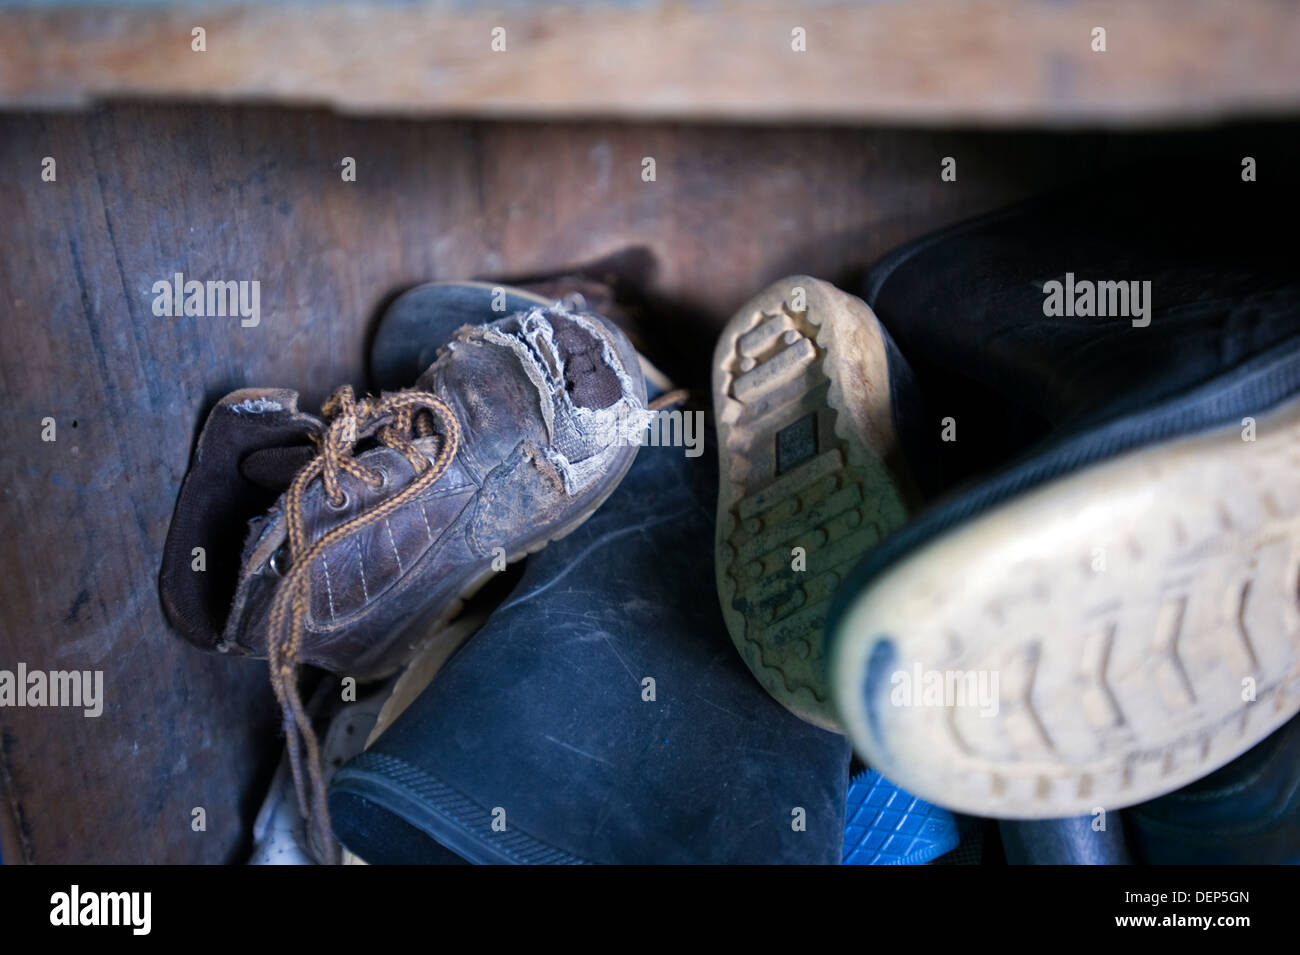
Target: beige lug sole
1128,612
804,428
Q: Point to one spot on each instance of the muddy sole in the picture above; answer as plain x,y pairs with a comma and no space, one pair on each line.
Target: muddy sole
801,397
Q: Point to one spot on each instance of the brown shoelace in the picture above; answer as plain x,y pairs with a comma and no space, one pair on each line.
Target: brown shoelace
392,419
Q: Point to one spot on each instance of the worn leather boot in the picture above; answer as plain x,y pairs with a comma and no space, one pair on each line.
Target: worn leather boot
1113,613
520,418
395,509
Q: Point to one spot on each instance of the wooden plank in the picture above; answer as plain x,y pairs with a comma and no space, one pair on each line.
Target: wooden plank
982,61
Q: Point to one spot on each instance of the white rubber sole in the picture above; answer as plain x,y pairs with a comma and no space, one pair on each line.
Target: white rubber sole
1140,619
801,397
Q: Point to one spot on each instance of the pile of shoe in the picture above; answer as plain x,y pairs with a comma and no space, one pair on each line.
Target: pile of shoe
987,578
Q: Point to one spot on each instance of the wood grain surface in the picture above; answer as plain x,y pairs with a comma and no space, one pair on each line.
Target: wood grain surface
900,61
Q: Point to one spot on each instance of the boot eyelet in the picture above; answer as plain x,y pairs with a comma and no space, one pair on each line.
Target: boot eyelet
342,505
279,561
383,478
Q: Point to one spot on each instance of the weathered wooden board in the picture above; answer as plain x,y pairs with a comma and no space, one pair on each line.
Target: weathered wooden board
919,61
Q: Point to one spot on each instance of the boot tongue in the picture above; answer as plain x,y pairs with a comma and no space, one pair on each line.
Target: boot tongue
226,487
275,468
